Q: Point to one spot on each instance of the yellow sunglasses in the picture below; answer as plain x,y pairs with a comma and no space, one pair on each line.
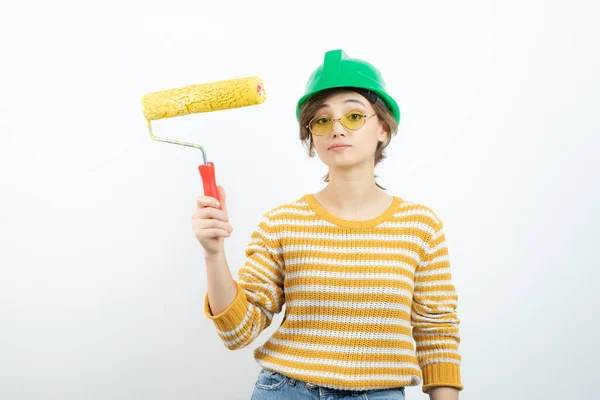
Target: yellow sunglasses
323,125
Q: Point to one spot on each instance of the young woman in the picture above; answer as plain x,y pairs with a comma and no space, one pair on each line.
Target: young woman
365,275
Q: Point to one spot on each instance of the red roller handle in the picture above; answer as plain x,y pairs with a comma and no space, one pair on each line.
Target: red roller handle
207,172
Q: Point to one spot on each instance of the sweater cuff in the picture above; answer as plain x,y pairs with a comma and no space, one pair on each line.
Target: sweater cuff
441,374
233,315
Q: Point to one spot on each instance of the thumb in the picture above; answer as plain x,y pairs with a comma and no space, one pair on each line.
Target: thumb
222,198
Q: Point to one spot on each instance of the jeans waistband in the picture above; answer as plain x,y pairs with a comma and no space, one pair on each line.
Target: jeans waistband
325,390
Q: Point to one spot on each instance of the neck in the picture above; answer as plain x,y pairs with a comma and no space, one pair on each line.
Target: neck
353,194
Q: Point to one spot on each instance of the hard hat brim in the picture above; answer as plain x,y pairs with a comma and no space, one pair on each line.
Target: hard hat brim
391,103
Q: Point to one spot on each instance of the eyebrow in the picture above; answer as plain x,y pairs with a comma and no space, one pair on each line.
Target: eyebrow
347,101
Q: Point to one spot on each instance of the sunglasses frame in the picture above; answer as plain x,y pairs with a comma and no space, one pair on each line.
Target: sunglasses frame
333,120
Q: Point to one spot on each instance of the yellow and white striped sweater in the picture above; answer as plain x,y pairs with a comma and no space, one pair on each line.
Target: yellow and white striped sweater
358,295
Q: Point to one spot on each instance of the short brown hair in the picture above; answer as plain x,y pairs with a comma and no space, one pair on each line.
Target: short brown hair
310,107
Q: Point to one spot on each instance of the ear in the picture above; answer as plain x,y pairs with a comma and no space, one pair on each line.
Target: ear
385,132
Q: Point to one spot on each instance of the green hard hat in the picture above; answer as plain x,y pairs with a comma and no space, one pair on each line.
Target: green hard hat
338,70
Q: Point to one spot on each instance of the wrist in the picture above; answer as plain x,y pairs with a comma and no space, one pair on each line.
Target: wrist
443,393
216,256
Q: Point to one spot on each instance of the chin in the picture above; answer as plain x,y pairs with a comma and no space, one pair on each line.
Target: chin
343,164
343,161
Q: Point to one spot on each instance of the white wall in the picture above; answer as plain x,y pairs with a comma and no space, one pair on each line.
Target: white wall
102,281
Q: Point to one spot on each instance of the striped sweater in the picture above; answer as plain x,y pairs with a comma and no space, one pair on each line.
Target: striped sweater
368,304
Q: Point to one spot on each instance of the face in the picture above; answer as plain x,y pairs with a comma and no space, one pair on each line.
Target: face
344,147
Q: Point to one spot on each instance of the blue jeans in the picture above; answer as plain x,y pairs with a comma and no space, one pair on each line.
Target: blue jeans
272,385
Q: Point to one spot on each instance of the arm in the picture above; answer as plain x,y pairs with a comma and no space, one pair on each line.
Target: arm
443,393
251,301
435,321
222,289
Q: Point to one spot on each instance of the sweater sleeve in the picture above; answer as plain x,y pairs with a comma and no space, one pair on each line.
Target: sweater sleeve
259,291
434,317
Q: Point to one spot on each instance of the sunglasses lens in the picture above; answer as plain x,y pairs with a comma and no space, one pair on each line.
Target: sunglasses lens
353,120
321,125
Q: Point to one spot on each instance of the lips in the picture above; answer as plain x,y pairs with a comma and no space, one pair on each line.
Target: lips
338,146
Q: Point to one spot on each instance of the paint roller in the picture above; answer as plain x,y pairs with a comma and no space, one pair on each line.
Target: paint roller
206,97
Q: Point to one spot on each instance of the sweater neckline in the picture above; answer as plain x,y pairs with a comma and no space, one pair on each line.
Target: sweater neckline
369,223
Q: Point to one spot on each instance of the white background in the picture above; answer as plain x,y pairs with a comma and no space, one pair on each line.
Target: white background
102,280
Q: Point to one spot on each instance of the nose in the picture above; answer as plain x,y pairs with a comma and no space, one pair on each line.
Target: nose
338,128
